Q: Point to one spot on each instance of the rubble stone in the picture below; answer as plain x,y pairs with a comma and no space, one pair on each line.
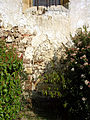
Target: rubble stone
9,40
39,35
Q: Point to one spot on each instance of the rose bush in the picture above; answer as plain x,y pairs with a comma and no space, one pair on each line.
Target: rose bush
77,76
71,82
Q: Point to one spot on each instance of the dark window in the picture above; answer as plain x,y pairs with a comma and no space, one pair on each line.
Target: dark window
46,2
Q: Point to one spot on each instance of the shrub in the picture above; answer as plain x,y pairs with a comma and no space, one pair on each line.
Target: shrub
77,76
10,88
71,83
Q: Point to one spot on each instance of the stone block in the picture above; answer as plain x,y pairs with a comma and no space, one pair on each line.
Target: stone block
9,40
28,70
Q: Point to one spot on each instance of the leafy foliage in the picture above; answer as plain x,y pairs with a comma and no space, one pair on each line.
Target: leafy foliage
71,82
77,76
10,88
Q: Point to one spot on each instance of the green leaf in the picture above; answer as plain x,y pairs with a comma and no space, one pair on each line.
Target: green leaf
5,90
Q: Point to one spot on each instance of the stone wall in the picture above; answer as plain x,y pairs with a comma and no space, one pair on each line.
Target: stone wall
40,34
48,32
40,40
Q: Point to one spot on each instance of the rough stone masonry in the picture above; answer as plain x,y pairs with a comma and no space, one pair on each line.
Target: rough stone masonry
39,34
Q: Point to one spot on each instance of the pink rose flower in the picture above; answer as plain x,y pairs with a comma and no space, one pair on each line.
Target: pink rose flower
86,63
86,82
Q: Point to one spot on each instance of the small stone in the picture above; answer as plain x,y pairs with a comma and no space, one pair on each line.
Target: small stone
9,40
20,49
29,53
24,40
16,35
28,70
29,77
27,61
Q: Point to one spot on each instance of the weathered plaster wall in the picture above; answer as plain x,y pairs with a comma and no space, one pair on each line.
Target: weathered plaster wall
48,32
54,24
10,11
39,36
79,13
